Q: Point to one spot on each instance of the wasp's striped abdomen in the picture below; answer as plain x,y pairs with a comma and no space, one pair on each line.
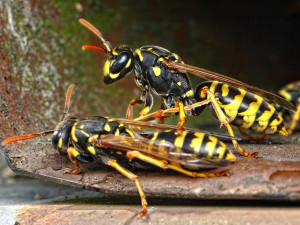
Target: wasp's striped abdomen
195,145
291,92
244,109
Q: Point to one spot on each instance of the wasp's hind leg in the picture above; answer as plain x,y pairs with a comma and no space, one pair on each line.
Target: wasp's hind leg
113,163
224,121
146,98
164,164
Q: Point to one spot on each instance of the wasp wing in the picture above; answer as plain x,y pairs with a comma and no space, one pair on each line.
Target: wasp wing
209,75
140,124
158,150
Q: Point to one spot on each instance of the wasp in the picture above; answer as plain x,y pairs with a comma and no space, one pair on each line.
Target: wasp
161,72
116,143
290,92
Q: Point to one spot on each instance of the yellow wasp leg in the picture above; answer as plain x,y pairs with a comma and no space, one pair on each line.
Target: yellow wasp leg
72,153
182,117
113,163
224,121
295,120
162,112
165,165
259,137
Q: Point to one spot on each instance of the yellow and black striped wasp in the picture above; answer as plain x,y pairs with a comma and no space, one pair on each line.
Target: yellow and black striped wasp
291,92
159,71
116,143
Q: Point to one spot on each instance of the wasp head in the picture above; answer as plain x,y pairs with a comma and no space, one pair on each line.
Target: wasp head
61,136
118,65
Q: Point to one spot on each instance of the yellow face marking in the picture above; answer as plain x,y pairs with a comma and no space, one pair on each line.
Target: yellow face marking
106,68
107,127
128,63
286,95
156,71
82,126
73,132
114,76
139,53
179,83
210,146
225,90
197,142
59,143
92,150
190,93
149,49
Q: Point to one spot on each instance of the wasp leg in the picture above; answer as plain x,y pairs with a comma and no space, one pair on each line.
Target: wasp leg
295,120
255,138
159,114
133,102
73,153
166,165
146,98
113,163
182,117
224,121
162,119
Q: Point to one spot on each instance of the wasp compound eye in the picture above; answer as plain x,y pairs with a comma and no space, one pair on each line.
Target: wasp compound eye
55,139
119,65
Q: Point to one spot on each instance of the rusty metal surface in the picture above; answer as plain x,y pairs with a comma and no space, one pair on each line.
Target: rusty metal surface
274,175
87,214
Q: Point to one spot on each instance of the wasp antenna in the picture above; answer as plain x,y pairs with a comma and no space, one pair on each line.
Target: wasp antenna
67,101
97,48
25,137
97,32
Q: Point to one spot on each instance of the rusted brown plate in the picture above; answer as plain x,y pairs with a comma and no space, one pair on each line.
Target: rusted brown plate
274,175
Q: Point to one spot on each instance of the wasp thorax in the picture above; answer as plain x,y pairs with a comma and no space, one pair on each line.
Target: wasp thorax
120,64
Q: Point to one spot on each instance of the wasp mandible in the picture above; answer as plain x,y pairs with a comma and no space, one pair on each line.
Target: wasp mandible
121,146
